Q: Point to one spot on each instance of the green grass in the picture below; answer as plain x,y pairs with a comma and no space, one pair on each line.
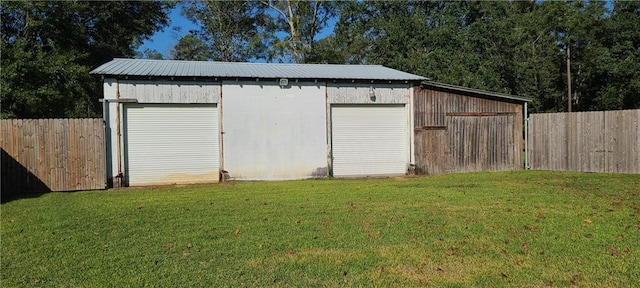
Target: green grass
524,228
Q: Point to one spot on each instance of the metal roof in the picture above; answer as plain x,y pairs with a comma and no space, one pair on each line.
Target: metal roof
175,68
475,91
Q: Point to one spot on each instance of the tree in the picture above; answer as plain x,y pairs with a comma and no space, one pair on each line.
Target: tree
48,48
230,31
191,48
300,21
615,81
43,82
284,31
150,54
513,47
450,42
387,33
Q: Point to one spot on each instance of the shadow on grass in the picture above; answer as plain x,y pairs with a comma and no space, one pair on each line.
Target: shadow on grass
17,182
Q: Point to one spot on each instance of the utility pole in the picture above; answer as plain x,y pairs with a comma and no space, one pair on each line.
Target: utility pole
569,73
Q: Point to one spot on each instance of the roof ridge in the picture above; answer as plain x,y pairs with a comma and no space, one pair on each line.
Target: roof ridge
245,63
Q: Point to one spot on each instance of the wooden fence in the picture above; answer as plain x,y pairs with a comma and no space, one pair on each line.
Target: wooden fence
603,141
40,155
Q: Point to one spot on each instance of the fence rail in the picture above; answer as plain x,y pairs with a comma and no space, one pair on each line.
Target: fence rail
40,155
603,141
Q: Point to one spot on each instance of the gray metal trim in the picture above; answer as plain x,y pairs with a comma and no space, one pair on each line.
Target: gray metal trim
118,100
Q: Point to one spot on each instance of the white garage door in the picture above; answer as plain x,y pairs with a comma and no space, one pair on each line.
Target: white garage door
171,143
369,140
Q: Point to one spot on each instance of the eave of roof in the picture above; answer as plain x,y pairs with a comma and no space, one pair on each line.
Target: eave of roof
475,91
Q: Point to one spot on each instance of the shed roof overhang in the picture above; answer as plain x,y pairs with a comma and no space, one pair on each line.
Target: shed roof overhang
474,92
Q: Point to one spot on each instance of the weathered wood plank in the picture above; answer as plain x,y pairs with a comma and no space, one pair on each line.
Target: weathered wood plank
101,176
600,141
170,92
72,160
475,114
432,105
432,153
340,93
635,150
482,143
474,139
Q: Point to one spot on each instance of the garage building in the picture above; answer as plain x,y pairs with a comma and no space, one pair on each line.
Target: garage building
175,122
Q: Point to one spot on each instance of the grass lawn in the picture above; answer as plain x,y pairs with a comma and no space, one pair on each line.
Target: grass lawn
526,228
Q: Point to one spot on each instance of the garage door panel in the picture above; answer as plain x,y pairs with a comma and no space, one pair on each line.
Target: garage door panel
171,143
369,140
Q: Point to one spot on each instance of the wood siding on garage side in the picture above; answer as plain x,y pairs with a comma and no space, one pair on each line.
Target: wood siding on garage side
432,150
482,143
484,134
351,93
147,91
431,106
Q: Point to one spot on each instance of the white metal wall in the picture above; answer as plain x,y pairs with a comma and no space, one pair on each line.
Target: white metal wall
369,140
273,132
171,143
109,115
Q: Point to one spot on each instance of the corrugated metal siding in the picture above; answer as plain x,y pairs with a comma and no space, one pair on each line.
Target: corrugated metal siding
369,140
174,68
171,143
170,91
359,93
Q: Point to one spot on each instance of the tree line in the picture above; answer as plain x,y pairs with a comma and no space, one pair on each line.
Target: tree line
515,47
48,49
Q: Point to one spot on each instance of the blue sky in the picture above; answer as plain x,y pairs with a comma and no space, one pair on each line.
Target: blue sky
164,40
